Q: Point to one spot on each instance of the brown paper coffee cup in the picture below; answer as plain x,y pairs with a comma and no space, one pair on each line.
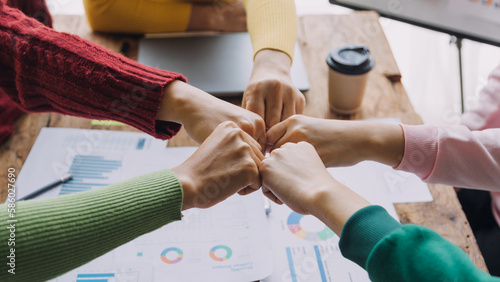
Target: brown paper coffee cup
349,67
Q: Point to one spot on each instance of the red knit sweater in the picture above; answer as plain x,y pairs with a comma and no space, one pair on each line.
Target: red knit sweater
42,70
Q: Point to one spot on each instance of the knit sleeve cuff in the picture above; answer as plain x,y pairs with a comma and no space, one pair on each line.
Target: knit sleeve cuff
74,229
363,231
421,147
272,25
60,72
138,104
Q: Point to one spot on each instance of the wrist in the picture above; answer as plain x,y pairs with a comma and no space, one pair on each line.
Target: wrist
179,102
272,61
386,144
335,204
188,187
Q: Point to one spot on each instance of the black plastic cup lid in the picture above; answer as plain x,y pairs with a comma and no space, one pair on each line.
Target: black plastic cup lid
351,59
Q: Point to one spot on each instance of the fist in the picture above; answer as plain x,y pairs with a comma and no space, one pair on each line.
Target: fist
295,175
226,163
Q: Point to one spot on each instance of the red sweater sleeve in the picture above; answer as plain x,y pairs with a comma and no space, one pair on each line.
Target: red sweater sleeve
47,71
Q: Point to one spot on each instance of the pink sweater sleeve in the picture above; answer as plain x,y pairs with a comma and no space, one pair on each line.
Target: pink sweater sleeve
453,155
485,113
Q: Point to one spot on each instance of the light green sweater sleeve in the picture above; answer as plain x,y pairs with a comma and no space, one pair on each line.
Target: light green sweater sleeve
54,236
390,251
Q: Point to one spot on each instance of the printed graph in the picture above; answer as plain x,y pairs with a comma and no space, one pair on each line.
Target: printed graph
95,277
295,227
172,255
89,172
216,253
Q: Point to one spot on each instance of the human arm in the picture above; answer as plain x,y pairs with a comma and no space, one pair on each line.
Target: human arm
342,143
164,16
484,112
74,229
270,92
48,71
51,71
200,113
451,155
272,25
369,236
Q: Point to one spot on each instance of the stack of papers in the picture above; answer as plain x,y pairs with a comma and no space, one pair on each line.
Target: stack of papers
232,241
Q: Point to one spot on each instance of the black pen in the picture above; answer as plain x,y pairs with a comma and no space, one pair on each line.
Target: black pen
47,187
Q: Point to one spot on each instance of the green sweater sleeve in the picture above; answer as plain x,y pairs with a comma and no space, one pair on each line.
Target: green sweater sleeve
54,236
390,251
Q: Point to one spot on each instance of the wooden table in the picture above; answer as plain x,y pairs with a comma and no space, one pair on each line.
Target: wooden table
318,34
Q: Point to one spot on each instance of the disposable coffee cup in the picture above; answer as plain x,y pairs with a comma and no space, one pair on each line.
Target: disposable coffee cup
347,76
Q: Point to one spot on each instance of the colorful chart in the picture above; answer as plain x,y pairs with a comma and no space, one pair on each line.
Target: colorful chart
228,250
179,252
293,223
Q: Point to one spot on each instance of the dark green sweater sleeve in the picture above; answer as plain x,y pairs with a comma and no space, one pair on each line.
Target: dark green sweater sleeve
390,251
54,236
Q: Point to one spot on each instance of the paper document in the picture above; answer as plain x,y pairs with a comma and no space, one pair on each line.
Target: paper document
232,241
94,157
228,242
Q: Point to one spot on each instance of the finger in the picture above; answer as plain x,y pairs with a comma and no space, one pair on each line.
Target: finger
256,184
270,195
260,134
256,148
246,191
300,104
276,132
244,101
256,105
283,141
288,109
274,106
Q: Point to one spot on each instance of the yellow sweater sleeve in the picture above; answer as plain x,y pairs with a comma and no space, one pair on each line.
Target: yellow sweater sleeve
272,24
138,16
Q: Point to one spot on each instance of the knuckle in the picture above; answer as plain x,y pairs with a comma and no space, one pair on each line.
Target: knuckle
273,83
234,133
247,126
249,167
295,119
228,124
245,148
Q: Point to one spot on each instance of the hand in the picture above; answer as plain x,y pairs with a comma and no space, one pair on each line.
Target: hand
295,175
227,162
342,143
270,92
201,113
218,16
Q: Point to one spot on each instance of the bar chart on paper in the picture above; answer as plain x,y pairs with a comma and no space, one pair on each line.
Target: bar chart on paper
89,172
305,249
113,274
95,158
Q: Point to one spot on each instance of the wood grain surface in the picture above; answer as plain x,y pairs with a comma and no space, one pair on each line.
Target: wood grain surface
318,34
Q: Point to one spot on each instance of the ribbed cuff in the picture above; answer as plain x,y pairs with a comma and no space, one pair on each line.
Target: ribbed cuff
363,231
74,229
59,72
272,24
421,147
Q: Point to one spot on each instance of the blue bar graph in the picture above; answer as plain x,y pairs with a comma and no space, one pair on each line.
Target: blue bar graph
97,277
89,172
320,264
290,263
140,144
